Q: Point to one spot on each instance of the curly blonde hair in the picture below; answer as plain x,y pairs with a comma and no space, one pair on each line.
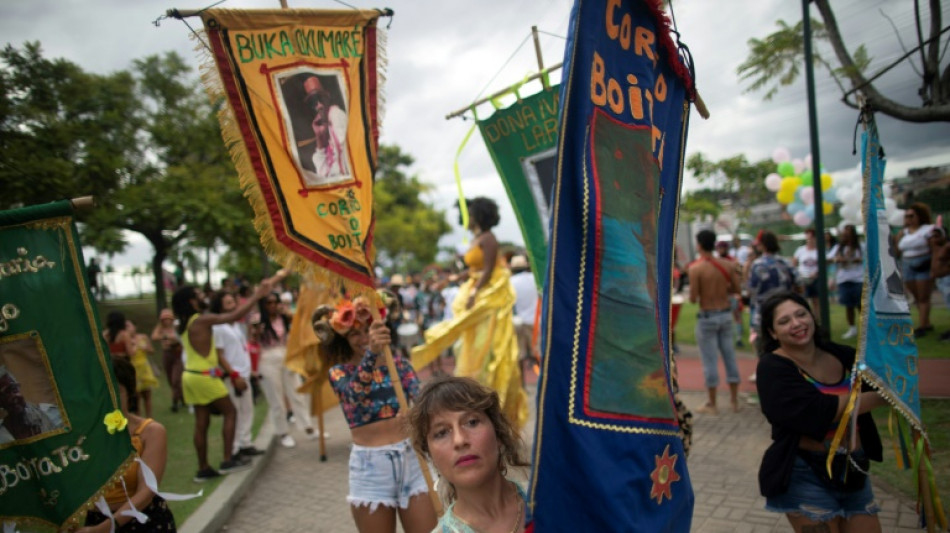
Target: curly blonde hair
449,393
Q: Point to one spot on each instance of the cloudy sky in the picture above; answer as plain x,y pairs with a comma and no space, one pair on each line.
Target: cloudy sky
444,54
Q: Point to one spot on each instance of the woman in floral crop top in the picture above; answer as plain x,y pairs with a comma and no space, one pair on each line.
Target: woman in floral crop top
385,478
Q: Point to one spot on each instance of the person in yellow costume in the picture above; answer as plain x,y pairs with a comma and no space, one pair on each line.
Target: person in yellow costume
482,319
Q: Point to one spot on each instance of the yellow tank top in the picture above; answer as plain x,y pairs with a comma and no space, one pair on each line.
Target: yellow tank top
194,360
117,495
474,258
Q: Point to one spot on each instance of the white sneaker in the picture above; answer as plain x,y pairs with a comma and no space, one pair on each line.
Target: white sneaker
313,434
287,441
852,331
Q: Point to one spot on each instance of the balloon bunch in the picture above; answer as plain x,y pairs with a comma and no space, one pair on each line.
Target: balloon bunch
850,193
792,183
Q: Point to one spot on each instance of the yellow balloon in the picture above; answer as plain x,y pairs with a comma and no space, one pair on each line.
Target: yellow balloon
785,197
827,208
790,184
826,182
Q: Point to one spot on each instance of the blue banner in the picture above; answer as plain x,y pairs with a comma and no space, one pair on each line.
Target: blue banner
887,351
607,454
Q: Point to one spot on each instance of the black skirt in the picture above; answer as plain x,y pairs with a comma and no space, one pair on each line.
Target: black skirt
160,518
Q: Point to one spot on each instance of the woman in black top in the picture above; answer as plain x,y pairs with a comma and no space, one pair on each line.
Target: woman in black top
804,385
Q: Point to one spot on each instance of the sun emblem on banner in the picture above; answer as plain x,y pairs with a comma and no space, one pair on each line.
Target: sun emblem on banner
663,476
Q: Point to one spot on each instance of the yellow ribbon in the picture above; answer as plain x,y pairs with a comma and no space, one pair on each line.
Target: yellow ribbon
463,208
844,421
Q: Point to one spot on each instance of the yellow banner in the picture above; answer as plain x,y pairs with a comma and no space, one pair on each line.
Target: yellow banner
302,127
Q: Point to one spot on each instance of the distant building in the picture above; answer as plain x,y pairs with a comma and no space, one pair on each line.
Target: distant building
930,185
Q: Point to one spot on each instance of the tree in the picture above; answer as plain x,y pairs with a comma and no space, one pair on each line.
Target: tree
407,229
147,143
732,181
777,59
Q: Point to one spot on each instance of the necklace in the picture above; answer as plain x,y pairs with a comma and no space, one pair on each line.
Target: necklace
519,520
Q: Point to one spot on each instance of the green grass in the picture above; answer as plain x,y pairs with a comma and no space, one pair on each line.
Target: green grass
936,418
182,462
928,346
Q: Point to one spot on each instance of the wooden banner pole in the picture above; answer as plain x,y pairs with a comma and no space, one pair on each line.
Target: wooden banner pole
404,406
537,52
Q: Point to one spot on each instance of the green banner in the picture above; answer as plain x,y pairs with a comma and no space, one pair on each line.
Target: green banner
522,140
56,381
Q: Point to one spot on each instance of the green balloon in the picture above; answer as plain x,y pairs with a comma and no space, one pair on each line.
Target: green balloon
807,178
786,169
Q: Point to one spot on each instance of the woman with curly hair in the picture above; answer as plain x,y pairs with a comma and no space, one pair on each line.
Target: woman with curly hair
458,424
385,479
482,318
915,261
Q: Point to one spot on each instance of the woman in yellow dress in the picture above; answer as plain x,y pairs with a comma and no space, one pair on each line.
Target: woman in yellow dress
482,319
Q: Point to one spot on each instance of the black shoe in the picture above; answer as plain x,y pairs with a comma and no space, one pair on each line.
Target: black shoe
236,463
205,474
250,451
920,332
945,336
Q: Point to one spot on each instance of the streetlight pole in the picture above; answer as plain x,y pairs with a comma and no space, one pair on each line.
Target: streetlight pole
816,172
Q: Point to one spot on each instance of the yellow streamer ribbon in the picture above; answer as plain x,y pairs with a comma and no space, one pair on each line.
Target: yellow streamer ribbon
463,207
844,421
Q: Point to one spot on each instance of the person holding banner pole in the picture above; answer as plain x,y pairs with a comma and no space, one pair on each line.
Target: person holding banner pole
804,385
134,493
385,479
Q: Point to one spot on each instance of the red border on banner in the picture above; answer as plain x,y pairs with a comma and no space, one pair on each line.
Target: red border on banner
223,60
596,267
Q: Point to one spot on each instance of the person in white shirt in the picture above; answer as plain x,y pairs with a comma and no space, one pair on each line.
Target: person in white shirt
805,260
848,257
526,303
231,344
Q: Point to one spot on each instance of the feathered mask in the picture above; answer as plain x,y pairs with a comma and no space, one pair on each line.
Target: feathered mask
340,320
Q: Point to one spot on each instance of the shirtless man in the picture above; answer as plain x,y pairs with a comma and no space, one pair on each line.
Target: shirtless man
711,283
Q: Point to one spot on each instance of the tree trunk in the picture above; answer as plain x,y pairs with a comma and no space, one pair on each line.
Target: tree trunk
158,272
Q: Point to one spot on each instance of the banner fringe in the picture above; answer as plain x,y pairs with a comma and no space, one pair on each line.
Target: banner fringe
233,140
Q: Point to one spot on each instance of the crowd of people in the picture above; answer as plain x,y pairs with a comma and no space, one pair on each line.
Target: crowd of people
218,347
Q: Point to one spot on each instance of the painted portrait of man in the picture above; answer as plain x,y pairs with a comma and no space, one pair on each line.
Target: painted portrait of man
315,118
23,419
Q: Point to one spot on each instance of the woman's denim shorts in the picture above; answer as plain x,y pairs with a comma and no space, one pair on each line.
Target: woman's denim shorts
384,475
908,265
808,496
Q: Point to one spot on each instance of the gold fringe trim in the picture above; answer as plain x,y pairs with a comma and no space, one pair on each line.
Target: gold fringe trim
234,141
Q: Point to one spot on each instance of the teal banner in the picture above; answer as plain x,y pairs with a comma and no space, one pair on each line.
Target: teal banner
887,351
522,141
56,381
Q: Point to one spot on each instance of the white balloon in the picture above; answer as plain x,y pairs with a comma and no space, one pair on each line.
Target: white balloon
807,195
781,155
896,218
890,206
807,161
802,219
799,166
773,182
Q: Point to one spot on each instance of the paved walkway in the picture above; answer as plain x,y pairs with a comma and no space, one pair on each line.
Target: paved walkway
294,491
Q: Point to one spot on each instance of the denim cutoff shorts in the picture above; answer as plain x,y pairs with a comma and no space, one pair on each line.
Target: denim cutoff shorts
808,496
907,268
384,475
